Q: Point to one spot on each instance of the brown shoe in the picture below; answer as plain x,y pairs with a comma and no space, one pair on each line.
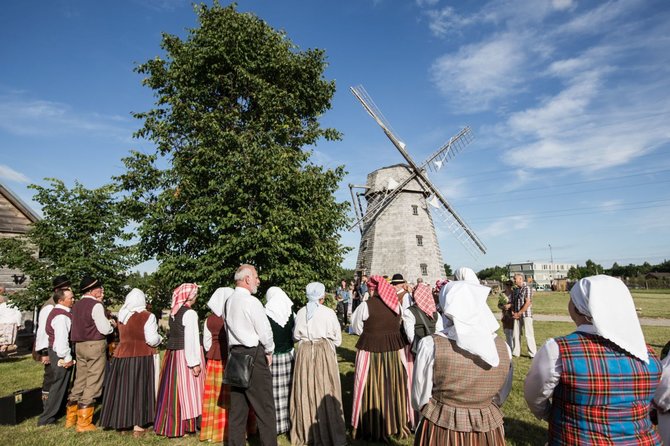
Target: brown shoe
71,415
85,419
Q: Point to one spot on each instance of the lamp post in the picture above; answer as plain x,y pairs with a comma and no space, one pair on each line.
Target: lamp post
551,274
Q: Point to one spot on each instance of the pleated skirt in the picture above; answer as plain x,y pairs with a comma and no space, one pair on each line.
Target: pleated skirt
215,404
180,393
429,434
282,378
316,398
129,398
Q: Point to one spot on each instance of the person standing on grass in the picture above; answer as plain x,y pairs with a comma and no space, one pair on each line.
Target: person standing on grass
505,304
595,386
57,328
522,302
342,296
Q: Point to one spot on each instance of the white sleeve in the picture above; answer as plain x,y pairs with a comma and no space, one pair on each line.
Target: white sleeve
262,325
422,382
300,328
360,315
61,325
41,338
334,331
151,336
439,325
206,337
505,390
542,379
101,322
191,338
662,395
408,322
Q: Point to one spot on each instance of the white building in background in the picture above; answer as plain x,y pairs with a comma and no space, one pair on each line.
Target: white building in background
541,273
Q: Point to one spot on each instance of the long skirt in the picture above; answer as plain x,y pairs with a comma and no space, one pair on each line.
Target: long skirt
129,399
282,377
179,400
381,406
215,403
316,398
429,434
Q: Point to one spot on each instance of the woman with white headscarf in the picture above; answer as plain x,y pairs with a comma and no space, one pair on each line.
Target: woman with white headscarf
130,393
317,415
216,396
463,374
595,385
278,308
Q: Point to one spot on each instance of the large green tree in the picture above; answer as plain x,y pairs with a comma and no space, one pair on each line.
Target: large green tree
82,232
231,181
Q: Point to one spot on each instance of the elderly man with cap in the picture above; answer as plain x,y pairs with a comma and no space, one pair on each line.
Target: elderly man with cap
595,385
41,350
89,329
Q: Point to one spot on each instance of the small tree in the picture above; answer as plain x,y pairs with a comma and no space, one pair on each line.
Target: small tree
447,270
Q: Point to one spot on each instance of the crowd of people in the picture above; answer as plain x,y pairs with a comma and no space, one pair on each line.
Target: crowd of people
428,363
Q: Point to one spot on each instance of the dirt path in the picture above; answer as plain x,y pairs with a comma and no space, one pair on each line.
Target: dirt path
566,318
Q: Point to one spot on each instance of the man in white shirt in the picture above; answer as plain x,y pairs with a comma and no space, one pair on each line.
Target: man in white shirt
58,327
249,332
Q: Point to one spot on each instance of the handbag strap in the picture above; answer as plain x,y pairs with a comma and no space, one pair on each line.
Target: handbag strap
225,316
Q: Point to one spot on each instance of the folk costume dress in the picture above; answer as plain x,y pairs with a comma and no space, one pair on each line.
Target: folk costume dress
278,308
381,365
130,393
317,415
595,385
216,399
421,319
463,374
179,400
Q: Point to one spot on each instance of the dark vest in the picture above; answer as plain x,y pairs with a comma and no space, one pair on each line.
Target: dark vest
219,347
83,326
381,331
283,336
49,329
176,335
420,329
131,334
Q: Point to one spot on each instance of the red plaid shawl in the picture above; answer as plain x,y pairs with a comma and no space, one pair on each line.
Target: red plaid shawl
181,295
385,291
424,299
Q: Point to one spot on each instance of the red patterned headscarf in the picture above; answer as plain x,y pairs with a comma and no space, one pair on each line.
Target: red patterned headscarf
424,299
386,292
182,294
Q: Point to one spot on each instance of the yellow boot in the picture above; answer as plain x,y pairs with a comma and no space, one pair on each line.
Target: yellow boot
85,419
71,415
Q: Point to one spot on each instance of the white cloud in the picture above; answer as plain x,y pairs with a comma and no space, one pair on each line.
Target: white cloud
9,174
562,4
505,225
427,3
610,205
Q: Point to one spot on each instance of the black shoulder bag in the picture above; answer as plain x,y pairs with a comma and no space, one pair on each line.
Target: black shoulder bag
239,366
416,340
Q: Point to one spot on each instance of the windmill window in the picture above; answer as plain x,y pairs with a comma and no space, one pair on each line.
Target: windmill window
419,240
415,209
424,269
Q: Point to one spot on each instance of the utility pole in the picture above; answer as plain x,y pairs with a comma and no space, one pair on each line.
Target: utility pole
551,254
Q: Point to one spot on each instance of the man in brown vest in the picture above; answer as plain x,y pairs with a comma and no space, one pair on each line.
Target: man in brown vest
89,328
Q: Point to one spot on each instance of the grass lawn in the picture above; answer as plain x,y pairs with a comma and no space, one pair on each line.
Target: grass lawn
651,303
520,426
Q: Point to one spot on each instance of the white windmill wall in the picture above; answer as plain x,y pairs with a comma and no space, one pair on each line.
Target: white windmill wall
389,243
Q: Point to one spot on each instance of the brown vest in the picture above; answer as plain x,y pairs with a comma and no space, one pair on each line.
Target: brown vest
49,329
83,326
219,346
176,334
381,330
464,387
132,342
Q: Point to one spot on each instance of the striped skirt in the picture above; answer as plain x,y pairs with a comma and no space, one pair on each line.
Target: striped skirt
429,434
179,400
381,406
129,398
215,404
282,378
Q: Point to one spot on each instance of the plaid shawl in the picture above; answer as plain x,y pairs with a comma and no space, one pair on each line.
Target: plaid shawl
386,292
424,299
181,295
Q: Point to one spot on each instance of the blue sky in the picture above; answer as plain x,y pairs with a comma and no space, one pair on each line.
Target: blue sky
569,102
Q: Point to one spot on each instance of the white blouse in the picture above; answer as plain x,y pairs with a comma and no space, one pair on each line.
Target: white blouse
191,338
409,321
322,325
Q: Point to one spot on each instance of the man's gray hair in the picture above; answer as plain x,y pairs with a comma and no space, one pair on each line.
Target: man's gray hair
522,275
243,271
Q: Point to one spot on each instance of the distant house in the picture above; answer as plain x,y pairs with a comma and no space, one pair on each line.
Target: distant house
544,274
658,276
15,220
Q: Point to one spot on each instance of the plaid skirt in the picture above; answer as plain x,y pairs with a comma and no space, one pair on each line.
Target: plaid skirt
282,378
429,434
215,404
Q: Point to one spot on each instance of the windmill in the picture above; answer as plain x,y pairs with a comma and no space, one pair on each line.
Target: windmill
397,229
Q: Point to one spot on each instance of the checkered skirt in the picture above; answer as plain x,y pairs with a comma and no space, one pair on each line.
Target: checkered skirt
282,378
215,404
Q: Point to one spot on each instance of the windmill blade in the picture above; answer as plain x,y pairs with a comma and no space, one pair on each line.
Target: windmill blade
448,150
353,204
369,105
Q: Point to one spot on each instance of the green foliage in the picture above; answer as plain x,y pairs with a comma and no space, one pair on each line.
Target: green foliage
447,270
494,273
236,103
82,232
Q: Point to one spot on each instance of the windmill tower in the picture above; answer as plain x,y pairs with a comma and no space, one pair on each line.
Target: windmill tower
396,223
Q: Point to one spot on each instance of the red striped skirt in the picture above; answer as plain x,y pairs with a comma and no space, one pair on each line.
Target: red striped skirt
215,404
429,434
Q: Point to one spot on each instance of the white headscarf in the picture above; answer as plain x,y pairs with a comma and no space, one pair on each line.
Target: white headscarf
607,301
467,275
135,302
278,305
218,300
469,321
315,291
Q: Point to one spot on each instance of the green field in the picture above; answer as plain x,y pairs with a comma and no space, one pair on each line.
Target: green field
650,303
520,425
